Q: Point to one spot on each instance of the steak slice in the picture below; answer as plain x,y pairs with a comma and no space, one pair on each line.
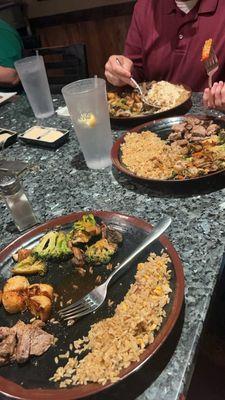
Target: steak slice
40,341
7,347
23,345
23,340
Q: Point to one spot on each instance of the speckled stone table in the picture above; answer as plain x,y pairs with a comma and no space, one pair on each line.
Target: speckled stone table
58,182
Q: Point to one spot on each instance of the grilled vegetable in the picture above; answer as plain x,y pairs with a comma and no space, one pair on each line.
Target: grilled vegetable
53,246
84,230
206,51
100,252
30,266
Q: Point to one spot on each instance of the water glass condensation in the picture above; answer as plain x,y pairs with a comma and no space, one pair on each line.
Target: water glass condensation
87,104
32,73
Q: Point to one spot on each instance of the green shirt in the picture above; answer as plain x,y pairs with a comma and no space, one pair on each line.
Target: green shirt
10,45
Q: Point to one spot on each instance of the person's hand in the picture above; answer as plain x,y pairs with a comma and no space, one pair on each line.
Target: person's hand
118,74
215,97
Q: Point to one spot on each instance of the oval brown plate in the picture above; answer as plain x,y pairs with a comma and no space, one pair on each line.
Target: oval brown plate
162,128
150,116
30,381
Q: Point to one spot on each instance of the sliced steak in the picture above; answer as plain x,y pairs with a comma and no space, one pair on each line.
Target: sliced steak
199,130
23,340
23,346
4,331
7,346
213,128
179,127
40,341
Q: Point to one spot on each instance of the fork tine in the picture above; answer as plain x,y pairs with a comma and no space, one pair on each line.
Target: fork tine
80,308
77,303
80,314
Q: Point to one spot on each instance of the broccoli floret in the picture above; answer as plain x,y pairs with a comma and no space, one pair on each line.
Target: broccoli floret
100,252
53,246
29,266
85,229
86,223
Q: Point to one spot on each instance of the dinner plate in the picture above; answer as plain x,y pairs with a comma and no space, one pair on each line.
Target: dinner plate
30,381
151,116
162,128
6,96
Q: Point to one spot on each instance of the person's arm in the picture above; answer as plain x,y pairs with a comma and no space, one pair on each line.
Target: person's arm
8,76
215,97
118,74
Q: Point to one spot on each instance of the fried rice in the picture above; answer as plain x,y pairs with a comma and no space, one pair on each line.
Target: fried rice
114,343
147,156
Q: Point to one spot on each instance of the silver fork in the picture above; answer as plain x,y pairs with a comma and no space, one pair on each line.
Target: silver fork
96,297
146,104
211,66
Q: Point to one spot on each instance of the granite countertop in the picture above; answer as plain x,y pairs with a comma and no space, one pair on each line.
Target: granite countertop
58,182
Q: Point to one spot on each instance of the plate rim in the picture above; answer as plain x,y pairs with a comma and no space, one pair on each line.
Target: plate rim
147,116
117,163
14,390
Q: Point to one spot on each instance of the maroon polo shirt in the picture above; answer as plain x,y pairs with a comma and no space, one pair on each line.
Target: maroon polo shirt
165,43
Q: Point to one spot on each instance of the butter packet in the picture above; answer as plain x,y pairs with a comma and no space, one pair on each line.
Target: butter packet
44,136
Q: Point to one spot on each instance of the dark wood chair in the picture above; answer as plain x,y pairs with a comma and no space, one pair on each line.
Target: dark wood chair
63,64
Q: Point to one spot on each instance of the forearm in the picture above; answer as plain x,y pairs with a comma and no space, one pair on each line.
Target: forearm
8,76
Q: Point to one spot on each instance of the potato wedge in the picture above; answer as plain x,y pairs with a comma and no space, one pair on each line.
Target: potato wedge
41,289
40,306
16,283
13,301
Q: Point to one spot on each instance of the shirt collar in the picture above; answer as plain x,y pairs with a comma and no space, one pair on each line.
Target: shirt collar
206,6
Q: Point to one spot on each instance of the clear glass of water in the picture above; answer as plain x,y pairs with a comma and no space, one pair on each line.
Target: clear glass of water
32,73
87,104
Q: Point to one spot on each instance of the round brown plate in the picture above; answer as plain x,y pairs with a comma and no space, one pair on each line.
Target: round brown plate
31,380
150,116
162,128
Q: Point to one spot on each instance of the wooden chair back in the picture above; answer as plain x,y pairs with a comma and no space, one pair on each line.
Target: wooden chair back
63,64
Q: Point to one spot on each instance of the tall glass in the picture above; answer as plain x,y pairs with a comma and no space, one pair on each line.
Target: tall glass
87,104
32,73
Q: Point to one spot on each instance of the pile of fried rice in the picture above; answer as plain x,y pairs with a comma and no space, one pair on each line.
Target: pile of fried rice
114,343
148,156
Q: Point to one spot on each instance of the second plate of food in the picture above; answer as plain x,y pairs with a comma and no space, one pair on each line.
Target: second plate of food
180,155
126,105
69,256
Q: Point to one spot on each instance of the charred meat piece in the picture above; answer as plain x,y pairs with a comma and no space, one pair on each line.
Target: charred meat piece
175,136
23,340
40,341
78,256
23,334
113,236
7,347
199,130
213,128
179,127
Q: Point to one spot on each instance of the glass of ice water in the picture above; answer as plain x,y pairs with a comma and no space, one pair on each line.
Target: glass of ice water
87,104
32,73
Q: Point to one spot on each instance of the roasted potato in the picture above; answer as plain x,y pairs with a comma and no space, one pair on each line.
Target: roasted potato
13,301
16,283
14,294
41,289
40,306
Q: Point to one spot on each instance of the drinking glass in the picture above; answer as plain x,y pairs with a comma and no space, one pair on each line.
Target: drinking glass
87,104
32,73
